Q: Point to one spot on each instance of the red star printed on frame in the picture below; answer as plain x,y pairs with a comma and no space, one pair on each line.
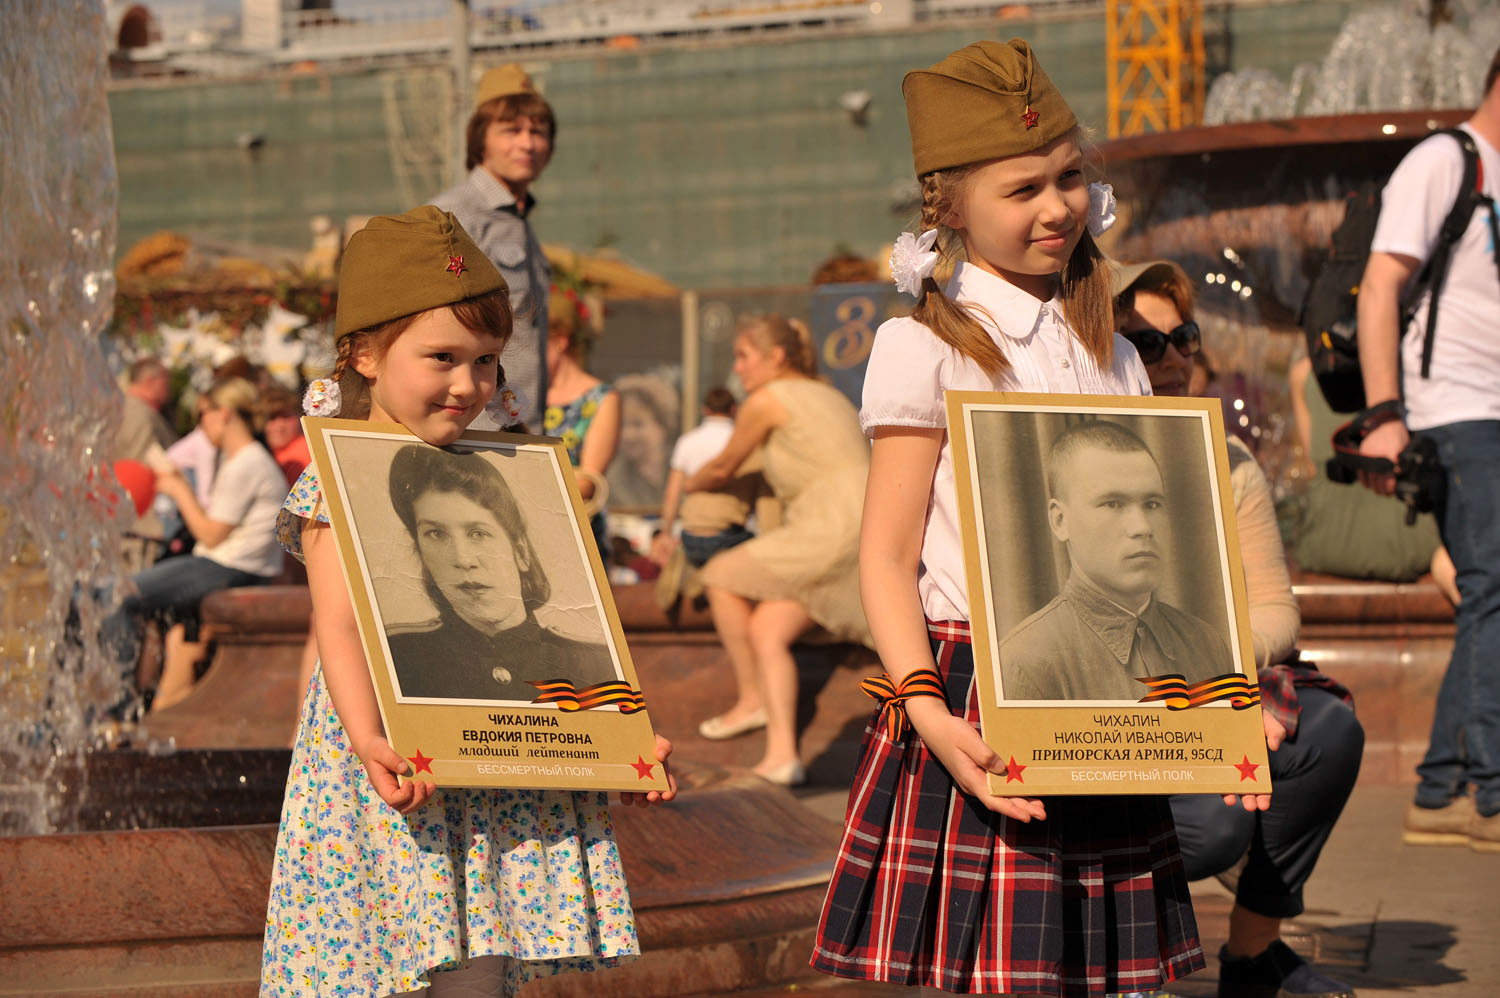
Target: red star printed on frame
420,763
1030,117
1247,769
642,768
1013,771
456,265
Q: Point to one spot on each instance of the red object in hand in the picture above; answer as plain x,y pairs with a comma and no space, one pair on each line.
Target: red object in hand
139,481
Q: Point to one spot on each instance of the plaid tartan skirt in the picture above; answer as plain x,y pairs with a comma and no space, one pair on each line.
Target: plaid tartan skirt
932,889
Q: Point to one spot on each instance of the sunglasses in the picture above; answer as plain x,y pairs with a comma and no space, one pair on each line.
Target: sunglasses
1151,344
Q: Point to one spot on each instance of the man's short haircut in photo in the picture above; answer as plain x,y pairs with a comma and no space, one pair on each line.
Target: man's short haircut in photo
1093,433
719,400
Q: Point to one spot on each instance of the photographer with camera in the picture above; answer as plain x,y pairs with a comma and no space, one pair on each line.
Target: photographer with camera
1434,399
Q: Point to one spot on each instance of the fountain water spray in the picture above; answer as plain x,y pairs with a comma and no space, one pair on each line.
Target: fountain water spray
60,406
1402,56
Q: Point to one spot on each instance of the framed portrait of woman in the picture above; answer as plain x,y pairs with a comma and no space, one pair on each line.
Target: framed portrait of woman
487,620
1109,617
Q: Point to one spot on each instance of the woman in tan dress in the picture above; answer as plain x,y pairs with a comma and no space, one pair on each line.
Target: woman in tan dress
766,593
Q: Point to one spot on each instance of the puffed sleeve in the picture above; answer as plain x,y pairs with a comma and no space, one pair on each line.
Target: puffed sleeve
903,380
304,502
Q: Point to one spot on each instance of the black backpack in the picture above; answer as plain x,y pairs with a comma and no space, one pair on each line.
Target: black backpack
1328,314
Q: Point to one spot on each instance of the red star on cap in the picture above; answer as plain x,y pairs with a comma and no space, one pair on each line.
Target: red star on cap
642,768
1030,117
420,762
1247,769
1014,771
456,265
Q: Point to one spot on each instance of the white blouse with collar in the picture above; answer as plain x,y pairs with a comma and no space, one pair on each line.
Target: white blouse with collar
910,368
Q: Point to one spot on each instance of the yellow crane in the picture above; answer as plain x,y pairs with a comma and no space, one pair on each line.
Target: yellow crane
1156,65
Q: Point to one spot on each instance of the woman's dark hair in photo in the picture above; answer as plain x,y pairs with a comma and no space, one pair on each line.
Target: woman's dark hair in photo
418,469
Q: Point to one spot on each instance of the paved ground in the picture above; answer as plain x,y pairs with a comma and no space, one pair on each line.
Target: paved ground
1389,918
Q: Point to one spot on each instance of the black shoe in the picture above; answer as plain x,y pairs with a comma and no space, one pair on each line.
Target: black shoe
1276,973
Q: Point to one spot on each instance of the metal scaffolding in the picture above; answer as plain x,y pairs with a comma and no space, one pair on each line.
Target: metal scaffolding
1156,65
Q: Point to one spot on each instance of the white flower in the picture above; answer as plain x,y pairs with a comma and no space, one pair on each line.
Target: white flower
1101,208
323,398
913,260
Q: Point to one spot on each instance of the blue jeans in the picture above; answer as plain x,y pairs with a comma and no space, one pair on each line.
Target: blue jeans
172,588
1464,751
698,548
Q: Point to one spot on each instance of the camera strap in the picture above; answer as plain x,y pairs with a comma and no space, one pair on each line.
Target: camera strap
1347,438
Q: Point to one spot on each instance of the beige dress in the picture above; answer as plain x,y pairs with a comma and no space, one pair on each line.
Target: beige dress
815,464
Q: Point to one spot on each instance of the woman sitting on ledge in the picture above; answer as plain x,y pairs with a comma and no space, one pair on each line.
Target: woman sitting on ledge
235,534
1314,769
766,593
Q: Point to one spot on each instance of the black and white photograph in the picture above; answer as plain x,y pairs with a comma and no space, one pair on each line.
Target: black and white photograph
1113,567
1107,598
487,621
481,581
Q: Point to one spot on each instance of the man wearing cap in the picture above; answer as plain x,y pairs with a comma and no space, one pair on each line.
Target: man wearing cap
509,143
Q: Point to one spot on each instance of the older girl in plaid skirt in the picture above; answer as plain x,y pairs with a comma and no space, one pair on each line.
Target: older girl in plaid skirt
939,883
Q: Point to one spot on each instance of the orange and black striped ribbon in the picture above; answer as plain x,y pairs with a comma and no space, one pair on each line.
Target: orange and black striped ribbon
1174,691
921,683
610,694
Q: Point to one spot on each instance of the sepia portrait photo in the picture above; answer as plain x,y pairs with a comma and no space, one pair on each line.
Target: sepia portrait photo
478,594
487,621
1105,587
1113,569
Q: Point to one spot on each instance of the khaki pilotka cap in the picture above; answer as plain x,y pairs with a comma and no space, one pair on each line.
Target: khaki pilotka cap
503,81
399,265
986,100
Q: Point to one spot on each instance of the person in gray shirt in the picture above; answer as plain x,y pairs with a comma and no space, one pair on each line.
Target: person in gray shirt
509,143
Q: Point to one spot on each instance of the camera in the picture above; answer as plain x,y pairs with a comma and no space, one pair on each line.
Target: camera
1420,480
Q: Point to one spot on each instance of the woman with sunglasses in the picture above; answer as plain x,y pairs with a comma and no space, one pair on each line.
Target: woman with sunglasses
1315,767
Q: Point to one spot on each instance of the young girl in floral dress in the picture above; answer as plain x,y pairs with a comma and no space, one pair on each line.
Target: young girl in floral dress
386,887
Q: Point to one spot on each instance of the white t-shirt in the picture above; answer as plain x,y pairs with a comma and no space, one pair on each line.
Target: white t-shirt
194,453
248,492
910,368
1465,374
701,444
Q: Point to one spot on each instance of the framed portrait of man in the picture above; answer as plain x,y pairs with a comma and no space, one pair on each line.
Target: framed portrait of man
484,610
1112,648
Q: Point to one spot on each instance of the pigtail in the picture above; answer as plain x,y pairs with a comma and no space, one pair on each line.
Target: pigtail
949,321
1088,300
354,391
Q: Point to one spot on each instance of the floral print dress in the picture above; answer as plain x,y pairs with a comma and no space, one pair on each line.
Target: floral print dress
366,902
571,423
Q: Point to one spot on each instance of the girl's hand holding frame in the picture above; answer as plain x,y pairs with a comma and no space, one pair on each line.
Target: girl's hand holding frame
967,758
